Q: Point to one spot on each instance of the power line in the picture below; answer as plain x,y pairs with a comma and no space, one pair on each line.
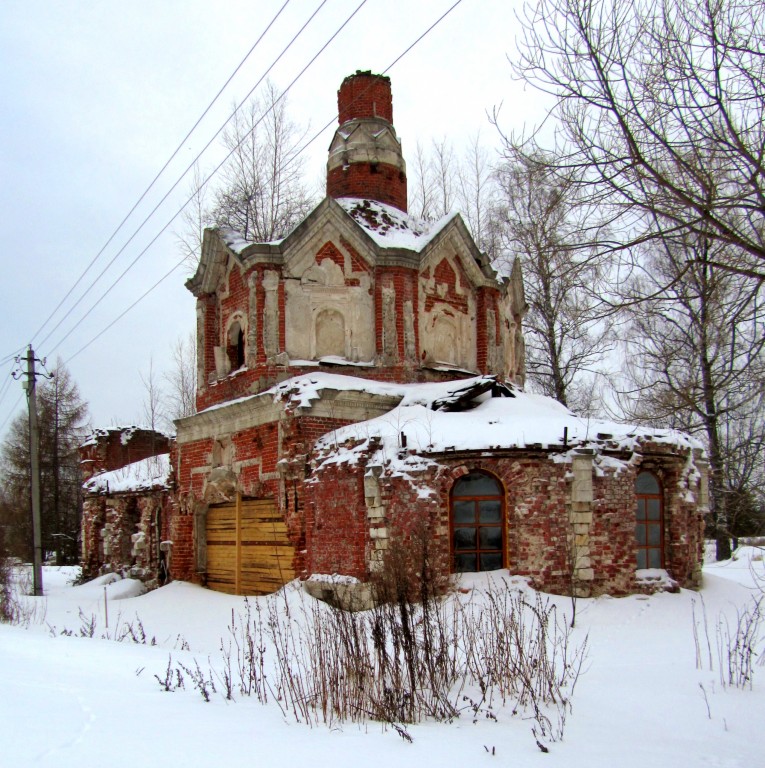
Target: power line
12,355
167,194
387,69
4,388
211,174
125,311
284,93
11,412
159,173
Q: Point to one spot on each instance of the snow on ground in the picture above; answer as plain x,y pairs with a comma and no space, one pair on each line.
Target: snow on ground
74,701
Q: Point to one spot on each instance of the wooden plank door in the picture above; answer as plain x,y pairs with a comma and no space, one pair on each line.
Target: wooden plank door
248,548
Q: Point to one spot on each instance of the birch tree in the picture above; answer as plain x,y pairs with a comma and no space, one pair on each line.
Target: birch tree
696,358
567,331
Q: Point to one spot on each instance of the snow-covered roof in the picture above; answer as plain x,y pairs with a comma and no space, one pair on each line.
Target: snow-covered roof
519,420
238,244
473,414
424,423
389,227
386,225
145,475
300,391
234,240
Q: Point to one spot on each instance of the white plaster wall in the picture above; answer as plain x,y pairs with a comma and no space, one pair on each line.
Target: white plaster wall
321,291
447,335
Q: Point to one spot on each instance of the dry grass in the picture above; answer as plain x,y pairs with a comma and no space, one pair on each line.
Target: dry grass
403,661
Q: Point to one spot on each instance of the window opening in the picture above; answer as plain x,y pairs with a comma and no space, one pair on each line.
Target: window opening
477,524
649,521
235,347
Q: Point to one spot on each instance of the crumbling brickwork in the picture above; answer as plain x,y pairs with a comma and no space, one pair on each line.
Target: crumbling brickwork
540,540
109,449
123,530
123,533
360,289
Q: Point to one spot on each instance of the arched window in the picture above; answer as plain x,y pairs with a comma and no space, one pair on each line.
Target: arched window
235,346
649,521
477,523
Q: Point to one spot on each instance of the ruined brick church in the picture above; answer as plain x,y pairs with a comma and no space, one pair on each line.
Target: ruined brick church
359,393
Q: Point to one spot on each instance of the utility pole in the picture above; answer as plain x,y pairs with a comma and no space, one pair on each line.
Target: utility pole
30,385
34,459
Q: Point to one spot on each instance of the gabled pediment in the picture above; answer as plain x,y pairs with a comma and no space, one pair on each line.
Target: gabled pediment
327,223
455,242
218,251
368,132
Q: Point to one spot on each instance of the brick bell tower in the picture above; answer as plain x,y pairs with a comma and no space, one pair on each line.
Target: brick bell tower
365,159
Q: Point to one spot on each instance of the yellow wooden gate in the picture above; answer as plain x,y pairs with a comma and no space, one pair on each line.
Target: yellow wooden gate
248,549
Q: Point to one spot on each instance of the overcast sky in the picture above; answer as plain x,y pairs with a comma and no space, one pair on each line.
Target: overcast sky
96,95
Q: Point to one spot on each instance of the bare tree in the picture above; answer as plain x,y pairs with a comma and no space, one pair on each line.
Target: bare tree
422,186
656,102
181,378
153,411
477,191
696,359
433,191
444,176
545,223
443,181
195,218
262,194
261,191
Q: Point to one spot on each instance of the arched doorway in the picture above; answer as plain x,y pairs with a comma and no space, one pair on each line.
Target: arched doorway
477,524
649,521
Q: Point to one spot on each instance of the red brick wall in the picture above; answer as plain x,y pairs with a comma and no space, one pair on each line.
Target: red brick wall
236,300
373,181
211,326
112,449
444,274
612,534
109,524
358,264
255,454
93,518
364,95
486,299
337,528
182,558
190,456
538,534
404,284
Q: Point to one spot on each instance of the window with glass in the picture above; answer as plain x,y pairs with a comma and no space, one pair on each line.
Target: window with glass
477,523
649,521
